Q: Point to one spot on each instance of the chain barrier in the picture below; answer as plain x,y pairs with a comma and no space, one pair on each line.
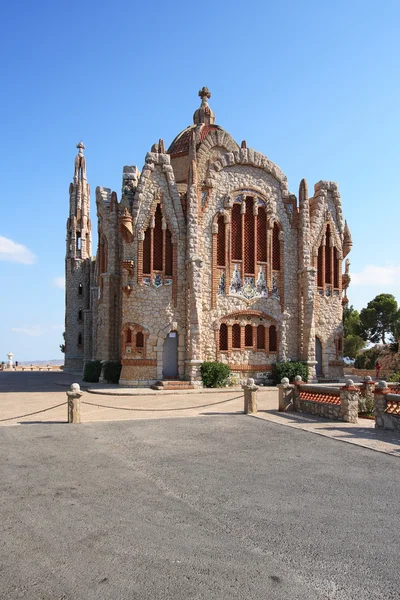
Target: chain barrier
160,409
33,413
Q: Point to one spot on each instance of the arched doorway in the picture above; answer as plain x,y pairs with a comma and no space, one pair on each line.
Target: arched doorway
170,356
318,356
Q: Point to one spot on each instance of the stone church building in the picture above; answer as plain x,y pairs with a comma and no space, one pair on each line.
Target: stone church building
206,256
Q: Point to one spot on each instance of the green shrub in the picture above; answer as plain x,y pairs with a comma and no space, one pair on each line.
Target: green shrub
92,371
214,374
112,371
289,369
360,361
367,359
395,377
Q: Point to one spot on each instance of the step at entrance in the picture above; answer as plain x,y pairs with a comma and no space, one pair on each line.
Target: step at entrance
170,384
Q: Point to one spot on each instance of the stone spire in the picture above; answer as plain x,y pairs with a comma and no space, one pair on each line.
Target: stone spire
204,115
347,241
79,236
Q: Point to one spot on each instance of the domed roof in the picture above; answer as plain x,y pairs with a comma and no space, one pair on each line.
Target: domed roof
203,119
180,145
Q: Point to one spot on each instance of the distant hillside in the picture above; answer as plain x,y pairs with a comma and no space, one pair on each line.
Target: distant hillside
39,363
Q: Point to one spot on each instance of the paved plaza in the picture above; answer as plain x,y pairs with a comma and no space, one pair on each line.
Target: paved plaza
217,505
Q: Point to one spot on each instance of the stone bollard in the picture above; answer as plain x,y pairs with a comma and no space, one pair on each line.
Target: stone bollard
296,392
349,402
250,396
381,391
74,403
286,395
366,402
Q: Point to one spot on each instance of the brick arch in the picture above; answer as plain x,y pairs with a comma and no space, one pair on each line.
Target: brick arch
133,329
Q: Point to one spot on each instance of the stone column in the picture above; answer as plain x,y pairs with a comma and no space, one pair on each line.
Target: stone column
74,403
349,402
285,395
381,391
250,396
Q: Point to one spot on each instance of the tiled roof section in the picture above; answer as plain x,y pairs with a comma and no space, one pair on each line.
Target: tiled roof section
180,145
321,398
393,407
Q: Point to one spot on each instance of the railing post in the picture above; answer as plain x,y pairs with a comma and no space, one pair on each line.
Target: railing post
74,403
366,402
250,396
381,391
286,395
349,402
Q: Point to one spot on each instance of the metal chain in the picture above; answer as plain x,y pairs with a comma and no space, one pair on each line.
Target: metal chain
160,409
33,413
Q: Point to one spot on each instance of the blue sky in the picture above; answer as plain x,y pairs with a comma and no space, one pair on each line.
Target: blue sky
313,85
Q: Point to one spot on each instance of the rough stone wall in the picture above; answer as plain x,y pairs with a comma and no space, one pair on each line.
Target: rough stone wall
155,308
246,170
77,272
109,300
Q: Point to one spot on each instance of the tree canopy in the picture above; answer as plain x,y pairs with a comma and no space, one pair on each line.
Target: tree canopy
380,321
353,342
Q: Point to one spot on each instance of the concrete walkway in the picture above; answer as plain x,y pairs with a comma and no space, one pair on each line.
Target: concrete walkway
23,397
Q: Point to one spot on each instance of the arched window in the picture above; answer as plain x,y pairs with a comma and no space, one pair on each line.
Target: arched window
261,235
236,336
168,253
221,242
80,314
272,339
261,337
146,252
158,241
157,258
276,249
236,251
128,336
80,289
249,266
336,268
320,262
328,264
139,340
223,337
248,336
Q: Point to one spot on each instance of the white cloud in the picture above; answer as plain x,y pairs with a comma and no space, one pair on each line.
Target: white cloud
59,282
36,330
12,252
374,275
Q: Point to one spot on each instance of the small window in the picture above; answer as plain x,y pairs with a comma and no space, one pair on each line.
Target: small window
223,337
80,289
129,336
79,339
260,337
248,336
272,339
80,315
236,336
139,340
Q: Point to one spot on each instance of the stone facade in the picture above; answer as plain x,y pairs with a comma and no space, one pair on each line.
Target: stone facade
207,256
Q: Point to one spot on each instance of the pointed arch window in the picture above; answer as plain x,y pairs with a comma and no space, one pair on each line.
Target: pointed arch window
276,248
236,250
329,264
156,250
248,336
139,339
236,336
221,242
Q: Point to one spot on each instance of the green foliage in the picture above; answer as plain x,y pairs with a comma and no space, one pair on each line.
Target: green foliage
367,359
351,321
214,374
289,369
381,319
112,371
92,371
395,377
62,346
352,345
